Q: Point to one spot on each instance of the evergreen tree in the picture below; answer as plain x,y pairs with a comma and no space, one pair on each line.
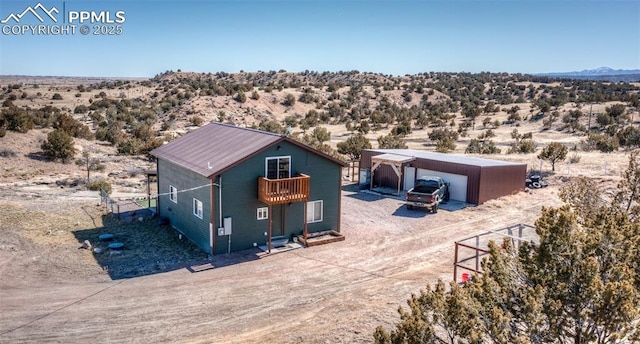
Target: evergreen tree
391,141
353,146
553,153
59,145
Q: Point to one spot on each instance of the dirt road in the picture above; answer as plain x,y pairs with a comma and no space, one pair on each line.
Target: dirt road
335,293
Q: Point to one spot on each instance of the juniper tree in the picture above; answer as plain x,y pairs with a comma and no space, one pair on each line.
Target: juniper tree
58,145
353,146
553,152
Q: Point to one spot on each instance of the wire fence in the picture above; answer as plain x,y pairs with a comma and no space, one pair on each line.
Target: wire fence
128,208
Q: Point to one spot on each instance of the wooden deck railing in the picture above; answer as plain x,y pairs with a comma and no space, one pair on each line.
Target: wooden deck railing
286,190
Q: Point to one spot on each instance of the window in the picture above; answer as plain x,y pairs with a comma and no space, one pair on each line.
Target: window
314,211
263,213
197,208
173,194
278,167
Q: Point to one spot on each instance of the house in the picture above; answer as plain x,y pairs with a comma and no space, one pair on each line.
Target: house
228,188
472,180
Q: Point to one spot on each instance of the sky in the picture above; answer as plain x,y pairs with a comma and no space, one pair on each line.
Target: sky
136,38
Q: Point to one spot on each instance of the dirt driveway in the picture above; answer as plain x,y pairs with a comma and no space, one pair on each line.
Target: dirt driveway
335,293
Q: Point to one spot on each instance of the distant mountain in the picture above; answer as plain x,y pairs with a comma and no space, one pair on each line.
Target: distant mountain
602,73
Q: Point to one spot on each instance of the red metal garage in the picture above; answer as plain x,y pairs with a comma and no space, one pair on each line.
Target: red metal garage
473,180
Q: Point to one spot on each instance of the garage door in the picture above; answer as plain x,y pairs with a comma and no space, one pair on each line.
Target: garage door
458,183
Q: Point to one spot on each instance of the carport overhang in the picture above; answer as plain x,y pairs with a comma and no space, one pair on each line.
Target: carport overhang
393,160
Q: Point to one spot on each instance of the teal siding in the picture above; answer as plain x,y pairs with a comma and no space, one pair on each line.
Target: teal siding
180,214
240,199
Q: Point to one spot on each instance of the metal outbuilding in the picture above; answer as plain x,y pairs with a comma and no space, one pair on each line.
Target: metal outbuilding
473,180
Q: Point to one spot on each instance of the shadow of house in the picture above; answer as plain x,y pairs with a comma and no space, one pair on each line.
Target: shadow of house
150,248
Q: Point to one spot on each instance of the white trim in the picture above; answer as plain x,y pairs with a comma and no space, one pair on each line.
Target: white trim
197,208
311,215
262,213
266,163
173,194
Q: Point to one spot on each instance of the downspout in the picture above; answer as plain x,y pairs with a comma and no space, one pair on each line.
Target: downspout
339,200
212,230
212,215
220,211
158,187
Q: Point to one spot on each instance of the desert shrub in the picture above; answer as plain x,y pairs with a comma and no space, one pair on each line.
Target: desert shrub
196,121
111,132
59,145
307,98
482,147
151,145
615,110
80,109
144,132
56,96
402,129
17,119
514,117
391,141
629,136
291,121
130,146
445,144
72,126
574,158
96,117
100,185
289,100
133,172
601,142
523,147
3,131
167,125
7,153
241,97
604,119
439,134
255,95
272,126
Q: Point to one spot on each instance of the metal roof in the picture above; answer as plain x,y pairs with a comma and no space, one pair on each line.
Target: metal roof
388,157
216,147
452,158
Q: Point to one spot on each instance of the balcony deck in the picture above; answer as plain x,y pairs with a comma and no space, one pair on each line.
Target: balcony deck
286,190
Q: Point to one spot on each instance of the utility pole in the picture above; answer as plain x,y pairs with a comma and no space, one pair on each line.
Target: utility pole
590,111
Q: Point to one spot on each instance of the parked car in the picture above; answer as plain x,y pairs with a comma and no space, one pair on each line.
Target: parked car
428,192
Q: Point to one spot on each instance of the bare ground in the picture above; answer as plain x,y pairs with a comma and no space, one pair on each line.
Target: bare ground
51,291
162,290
